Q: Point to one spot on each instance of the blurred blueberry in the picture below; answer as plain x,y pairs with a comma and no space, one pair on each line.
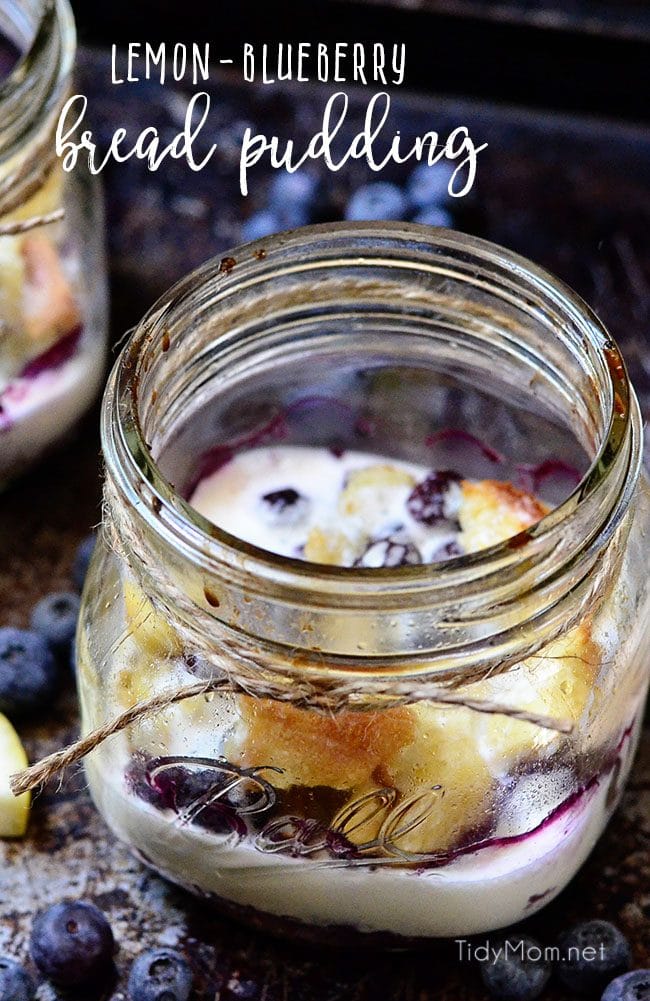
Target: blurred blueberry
28,672
300,188
15,982
85,550
55,618
291,214
433,215
377,201
517,971
592,954
260,224
429,185
630,987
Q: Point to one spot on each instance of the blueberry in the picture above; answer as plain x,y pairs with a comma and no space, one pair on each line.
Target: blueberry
82,558
517,970
291,215
630,987
15,983
432,500
592,954
282,499
433,215
300,188
166,784
160,975
429,185
55,618
28,672
261,224
284,507
72,943
377,201
446,551
395,550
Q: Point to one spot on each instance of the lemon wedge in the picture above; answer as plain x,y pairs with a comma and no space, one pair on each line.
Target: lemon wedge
14,811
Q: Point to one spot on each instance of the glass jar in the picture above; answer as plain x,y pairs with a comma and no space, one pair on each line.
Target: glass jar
53,288
422,750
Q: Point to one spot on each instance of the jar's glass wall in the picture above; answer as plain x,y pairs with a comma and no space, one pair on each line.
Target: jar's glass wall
53,285
419,821
411,816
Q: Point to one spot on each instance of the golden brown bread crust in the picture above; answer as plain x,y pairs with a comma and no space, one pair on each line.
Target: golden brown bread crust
343,751
492,512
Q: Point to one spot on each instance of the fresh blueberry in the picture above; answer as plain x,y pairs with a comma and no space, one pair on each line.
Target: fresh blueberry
434,215
434,499
28,672
517,971
395,550
82,558
55,618
630,987
160,975
15,983
261,224
592,954
377,201
72,943
429,184
300,188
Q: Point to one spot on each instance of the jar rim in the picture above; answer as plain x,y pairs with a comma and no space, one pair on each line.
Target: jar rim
49,55
182,523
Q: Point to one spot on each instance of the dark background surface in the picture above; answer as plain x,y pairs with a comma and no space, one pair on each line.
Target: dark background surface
568,191
575,56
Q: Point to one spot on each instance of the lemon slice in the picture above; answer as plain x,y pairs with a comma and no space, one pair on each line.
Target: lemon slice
14,811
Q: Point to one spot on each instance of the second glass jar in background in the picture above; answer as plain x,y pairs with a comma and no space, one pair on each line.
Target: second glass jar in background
335,785
53,283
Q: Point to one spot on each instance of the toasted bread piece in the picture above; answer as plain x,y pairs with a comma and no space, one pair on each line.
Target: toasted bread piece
49,307
492,512
342,751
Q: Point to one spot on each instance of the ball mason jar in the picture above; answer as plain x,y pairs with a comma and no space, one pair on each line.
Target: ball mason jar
422,750
53,285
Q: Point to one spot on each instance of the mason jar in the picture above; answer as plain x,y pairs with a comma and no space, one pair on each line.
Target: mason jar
422,749
53,286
